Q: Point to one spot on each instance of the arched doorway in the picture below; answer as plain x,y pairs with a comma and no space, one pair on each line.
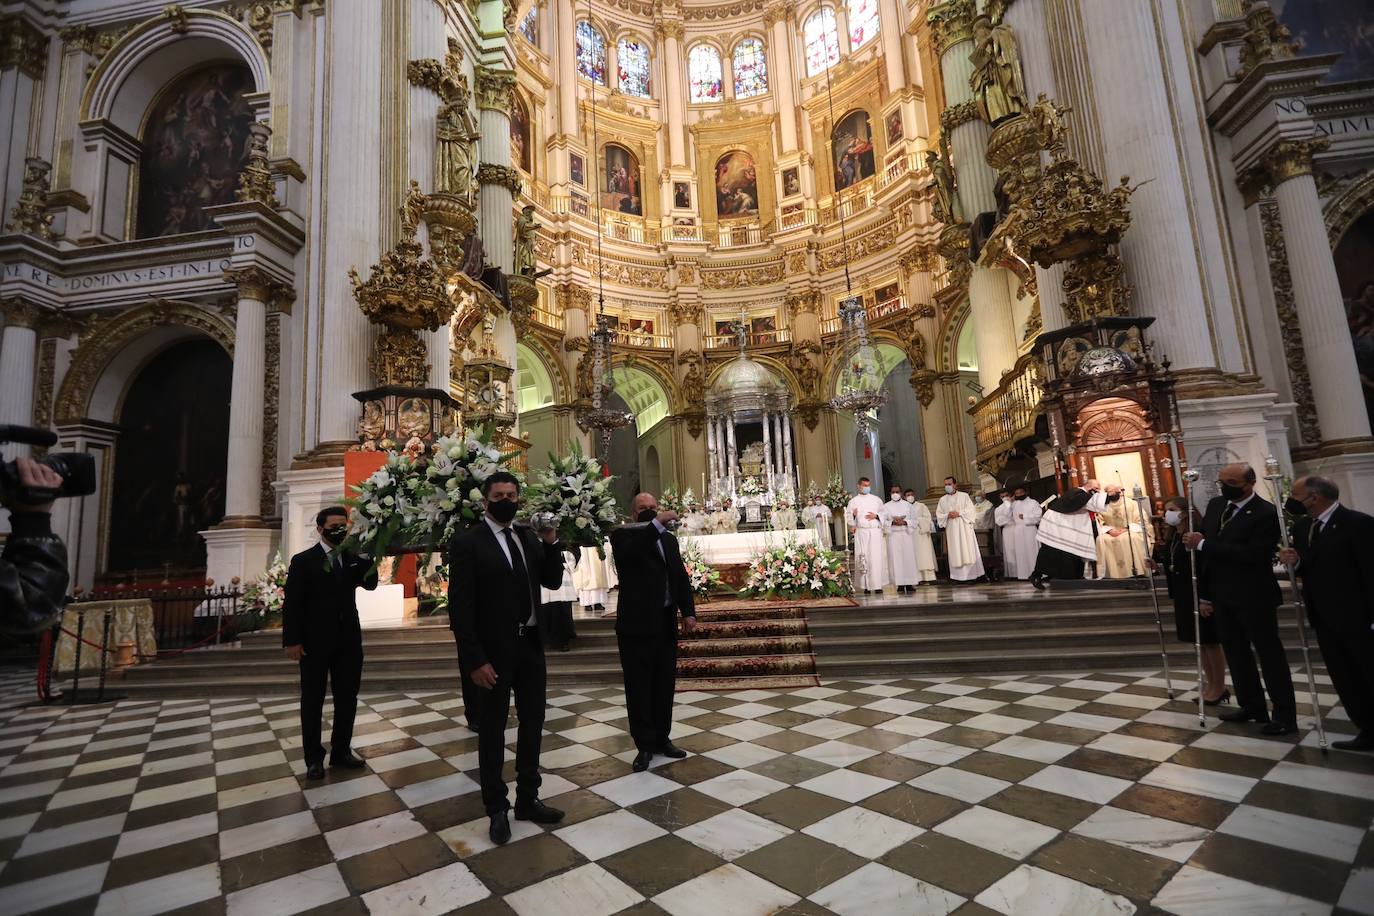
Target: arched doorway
643,395
169,468
896,426
651,479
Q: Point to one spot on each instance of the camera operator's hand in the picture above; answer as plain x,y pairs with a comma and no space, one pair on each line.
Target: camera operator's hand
33,474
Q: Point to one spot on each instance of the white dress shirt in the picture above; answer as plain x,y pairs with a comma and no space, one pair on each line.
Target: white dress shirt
499,530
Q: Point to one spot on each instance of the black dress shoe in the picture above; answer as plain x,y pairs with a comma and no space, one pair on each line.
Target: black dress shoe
499,831
669,749
642,761
314,771
1276,727
1243,715
538,812
1038,583
1224,698
348,760
1364,741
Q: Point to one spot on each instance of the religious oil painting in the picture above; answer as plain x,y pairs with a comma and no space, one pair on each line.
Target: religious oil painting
682,195
169,470
763,330
577,168
852,150
737,185
620,187
520,135
791,182
1355,268
194,147
1344,27
894,127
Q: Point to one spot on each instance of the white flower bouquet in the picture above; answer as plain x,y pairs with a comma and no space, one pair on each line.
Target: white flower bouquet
750,486
386,507
701,574
265,595
573,490
669,501
789,570
458,466
836,496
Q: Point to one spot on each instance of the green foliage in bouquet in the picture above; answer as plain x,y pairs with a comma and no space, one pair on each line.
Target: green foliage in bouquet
572,489
703,576
669,501
793,571
836,496
265,596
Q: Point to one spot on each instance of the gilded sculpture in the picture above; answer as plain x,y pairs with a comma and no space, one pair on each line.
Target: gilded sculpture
999,89
457,134
1048,119
526,232
30,210
947,208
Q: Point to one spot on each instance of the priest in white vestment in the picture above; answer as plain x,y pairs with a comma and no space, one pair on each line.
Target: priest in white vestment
1018,538
898,515
1001,516
589,578
922,527
817,517
1066,536
864,516
1123,543
957,515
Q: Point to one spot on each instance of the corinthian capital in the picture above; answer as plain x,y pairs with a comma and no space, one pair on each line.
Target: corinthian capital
494,88
22,46
950,23
1292,158
669,28
252,282
20,312
776,12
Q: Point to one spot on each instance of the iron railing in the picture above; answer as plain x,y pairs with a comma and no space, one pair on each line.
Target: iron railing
188,616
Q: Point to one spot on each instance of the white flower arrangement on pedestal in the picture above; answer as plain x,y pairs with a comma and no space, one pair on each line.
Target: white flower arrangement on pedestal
701,574
573,490
750,486
789,570
266,595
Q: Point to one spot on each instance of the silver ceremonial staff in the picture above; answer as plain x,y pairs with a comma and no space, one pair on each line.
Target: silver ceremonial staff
1138,497
1274,475
1191,477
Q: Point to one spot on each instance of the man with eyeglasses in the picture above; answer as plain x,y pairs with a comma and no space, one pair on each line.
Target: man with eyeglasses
320,631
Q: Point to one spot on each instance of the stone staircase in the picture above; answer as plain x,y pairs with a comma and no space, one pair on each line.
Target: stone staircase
1037,632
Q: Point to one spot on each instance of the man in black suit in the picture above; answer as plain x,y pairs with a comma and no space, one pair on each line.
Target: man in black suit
495,571
653,588
320,630
1331,550
1236,582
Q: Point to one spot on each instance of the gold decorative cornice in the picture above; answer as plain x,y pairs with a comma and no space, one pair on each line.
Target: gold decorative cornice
950,23
22,45
1292,158
777,11
495,88
30,214
669,28
1265,38
923,383
807,302
504,175
21,313
743,277
954,115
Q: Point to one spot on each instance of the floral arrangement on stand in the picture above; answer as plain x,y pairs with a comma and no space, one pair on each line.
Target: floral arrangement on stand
688,503
573,491
813,491
789,570
669,501
703,576
265,596
750,486
432,585
836,496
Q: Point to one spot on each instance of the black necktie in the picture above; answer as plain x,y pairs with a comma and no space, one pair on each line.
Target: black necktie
1316,530
1229,514
522,576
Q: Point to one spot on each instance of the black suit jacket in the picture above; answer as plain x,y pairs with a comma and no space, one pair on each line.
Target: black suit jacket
320,610
646,579
482,590
1236,565
1336,570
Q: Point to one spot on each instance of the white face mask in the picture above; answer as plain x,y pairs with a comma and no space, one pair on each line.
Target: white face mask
911,499
948,488
896,497
1173,517
863,488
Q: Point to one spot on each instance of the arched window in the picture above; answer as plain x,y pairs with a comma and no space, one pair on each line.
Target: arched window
863,21
822,41
591,53
530,26
632,66
751,70
703,73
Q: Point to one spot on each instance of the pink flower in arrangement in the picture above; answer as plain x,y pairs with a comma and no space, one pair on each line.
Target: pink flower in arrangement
810,551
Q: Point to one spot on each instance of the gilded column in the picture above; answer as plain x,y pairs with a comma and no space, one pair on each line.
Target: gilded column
1317,298
778,16
18,361
243,488
23,57
670,32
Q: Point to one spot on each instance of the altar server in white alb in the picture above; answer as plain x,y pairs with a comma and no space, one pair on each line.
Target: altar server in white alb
864,516
899,516
922,527
956,515
817,517
1018,535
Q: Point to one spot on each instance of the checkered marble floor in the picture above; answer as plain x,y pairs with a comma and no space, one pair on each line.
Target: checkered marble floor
1074,793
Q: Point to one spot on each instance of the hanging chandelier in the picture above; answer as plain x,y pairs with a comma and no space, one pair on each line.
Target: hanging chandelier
601,416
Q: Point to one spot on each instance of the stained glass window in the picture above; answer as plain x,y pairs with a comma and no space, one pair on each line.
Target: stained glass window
751,70
703,73
863,21
591,53
632,66
822,41
530,27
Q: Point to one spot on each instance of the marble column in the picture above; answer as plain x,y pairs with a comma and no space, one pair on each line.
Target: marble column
731,454
722,453
498,181
426,38
671,32
243,488
778,17
994,337
18,361
567,68
710,455
789,465
767,449
1331,366
890,35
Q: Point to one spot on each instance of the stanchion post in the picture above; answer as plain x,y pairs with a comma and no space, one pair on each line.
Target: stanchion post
1139,498
1191,477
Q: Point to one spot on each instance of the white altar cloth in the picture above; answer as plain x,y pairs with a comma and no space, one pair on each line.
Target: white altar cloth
742,547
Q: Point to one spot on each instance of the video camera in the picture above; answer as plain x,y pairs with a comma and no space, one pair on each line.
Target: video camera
77,469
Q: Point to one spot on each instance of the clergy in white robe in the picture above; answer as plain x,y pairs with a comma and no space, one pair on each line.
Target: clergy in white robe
1001,516
901,550
957,515
1122,538
726,521
864,516
817,517
922,527
1018,538
696,523
589,579
1065,534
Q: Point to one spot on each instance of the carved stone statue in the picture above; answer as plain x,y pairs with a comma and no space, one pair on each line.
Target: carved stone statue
999,90
1048,119
947,209
457,134
526,230
583,375
694,386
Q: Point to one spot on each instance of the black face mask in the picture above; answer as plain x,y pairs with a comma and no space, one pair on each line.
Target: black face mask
335,534
1232,493
1113,497
503,510
1294,507
647,515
